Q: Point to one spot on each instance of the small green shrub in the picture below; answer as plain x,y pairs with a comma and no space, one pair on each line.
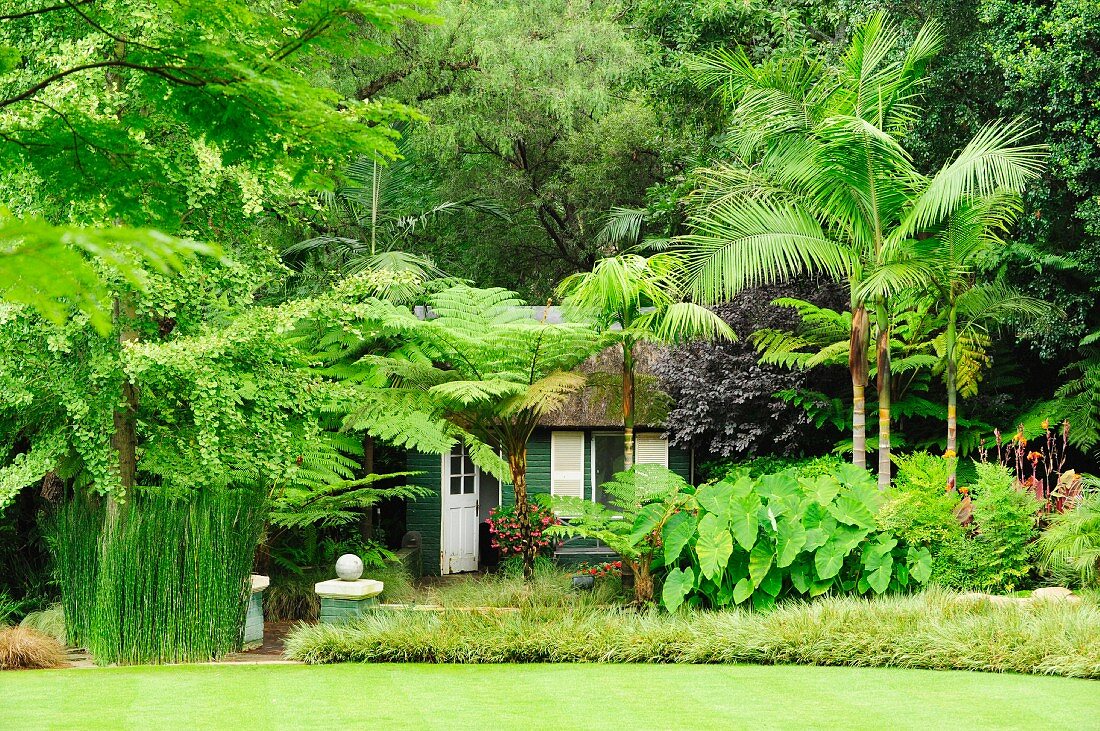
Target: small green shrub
918,508
49,621
644,501
998,554
1070,546
809,467
22,648
932,629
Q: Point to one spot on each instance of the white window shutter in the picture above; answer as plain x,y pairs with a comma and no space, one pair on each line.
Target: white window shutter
567,463
650,448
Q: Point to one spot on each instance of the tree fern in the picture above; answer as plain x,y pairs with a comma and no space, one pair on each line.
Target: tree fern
477,369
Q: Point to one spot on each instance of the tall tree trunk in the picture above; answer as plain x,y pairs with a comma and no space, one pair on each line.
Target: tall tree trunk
517,463
882,351
857,367
628,405
952,388
124,439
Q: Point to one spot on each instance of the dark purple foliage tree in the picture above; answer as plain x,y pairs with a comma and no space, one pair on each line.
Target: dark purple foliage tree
724,398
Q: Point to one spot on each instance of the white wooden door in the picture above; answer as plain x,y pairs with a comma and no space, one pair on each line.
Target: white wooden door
460,512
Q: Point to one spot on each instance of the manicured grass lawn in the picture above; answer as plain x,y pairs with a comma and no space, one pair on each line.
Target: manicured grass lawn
540,696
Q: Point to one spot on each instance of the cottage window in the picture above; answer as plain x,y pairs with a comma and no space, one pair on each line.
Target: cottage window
463,472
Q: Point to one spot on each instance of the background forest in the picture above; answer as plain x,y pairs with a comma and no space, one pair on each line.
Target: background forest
496,143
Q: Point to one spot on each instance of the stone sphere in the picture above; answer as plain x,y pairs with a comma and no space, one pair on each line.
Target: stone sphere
349,567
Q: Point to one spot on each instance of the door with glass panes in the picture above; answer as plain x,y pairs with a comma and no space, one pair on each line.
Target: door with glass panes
460,512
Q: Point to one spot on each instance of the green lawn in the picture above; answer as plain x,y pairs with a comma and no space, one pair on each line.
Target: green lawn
540,696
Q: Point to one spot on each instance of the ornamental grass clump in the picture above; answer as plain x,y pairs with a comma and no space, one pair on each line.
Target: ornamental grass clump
49,621
934,629
22,648
187,556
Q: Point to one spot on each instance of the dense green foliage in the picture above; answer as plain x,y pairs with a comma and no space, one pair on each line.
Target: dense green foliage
781,535
1070,546
216,220
645,502
999,553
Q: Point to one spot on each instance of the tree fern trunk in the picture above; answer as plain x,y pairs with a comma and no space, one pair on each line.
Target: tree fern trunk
517,463
857,366
643,581
883,355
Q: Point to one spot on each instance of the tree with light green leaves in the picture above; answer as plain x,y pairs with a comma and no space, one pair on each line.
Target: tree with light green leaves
633,299
817,180
126,129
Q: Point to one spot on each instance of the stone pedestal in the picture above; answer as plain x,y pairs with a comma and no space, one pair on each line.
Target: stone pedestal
254,617
342,600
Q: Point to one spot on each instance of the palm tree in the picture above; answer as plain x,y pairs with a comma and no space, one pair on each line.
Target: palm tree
954,258
633,299
821,183
373,217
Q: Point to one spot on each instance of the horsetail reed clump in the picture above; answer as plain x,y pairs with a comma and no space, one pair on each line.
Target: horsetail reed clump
162,578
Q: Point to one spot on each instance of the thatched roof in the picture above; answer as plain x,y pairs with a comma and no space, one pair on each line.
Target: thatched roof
599,404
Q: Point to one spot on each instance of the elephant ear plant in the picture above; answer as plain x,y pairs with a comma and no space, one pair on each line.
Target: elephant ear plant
780,535
643,502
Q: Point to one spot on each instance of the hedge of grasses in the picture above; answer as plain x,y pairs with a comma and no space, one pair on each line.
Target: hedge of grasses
166,579
935,629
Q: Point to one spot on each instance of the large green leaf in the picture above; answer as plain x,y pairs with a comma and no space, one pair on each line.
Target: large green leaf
851,475
920,564
760,562
678,584
826,489
743,520
762,601
779,486
791,538
773,582
850,509
716,499
647,519
800,576
743,590
676,534
830,557
817,535
714,546
879,579
878,562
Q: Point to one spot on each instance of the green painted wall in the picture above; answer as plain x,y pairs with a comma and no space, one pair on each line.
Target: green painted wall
424,515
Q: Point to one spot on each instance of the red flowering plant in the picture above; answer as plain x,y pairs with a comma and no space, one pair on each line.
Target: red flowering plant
600,570
507,536
1040,467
